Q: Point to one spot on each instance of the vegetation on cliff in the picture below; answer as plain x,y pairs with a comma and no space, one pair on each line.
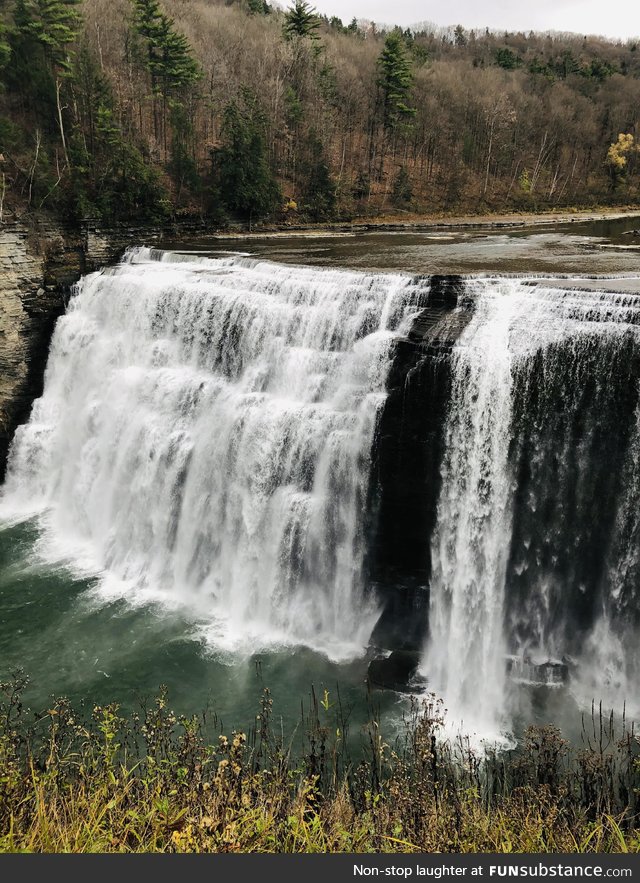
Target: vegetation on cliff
106,782
143,109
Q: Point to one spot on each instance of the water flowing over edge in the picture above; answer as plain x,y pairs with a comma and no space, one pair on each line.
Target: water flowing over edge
204,440
543,427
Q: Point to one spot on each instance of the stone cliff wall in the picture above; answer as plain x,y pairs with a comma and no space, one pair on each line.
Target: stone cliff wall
405,481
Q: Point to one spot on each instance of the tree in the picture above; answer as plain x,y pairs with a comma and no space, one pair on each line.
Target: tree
301,21
244,179
459,36
618,156
43,34
168,58
258,7
54,24
5,45
402,189
507,59
395,80
320,189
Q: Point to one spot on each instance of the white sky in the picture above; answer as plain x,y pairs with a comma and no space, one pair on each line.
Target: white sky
620,18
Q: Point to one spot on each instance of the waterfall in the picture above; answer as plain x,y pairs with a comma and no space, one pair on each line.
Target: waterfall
536,545
465,657
208,436
204,441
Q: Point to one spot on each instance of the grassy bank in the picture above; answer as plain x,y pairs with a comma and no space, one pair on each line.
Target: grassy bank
73,781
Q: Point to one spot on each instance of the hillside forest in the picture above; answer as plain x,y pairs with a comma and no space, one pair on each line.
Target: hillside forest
242,111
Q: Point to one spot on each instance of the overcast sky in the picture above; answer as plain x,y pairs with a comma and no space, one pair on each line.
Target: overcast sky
616,18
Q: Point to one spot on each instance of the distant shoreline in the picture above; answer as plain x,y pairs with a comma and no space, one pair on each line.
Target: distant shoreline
417,223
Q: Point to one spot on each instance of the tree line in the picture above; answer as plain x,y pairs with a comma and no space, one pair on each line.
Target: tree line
239,110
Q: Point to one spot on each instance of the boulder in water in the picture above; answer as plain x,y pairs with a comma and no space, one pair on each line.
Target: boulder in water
397,671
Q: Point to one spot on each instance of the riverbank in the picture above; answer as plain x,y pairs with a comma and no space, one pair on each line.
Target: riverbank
409,222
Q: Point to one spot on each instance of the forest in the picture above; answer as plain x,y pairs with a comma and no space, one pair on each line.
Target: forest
243,111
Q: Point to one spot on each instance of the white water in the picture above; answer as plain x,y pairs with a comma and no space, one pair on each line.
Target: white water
516,325
204,441
465,659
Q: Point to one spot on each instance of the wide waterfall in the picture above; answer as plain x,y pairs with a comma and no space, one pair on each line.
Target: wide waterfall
204,439
343,460
536,549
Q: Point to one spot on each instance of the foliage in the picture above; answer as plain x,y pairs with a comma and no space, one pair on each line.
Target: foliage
619,154
258,7
507,59
169,58
246,184
320,189
395,81
361,186
463,112
80,781
53,24
402,189
301,21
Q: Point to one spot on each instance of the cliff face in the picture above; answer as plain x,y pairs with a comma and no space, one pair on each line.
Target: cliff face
39,263
406,463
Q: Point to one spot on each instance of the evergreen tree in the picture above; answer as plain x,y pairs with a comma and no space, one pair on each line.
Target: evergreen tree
168,58
54,24
301,21
402,189
361,186
395,80
5,45
111,178
244,178
259,7
320,189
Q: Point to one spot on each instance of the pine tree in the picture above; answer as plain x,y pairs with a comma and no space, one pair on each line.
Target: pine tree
402,189
244,178
55,24
320,189
395,80
301,21
5,45
169,60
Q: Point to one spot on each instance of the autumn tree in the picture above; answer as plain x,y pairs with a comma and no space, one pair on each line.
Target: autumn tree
618,156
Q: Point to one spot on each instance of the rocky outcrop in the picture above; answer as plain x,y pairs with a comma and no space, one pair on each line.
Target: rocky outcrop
405,480
398,671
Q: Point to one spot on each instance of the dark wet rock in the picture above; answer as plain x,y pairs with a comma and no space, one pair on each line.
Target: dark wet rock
405,474
550,673
398,671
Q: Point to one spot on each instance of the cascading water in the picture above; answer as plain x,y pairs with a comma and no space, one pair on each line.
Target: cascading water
465,656
207,440
204,440
536,545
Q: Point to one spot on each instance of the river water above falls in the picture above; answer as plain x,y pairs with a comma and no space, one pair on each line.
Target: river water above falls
246,472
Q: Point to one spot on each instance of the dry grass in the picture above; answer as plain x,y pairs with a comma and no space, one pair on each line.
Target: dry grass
154,783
